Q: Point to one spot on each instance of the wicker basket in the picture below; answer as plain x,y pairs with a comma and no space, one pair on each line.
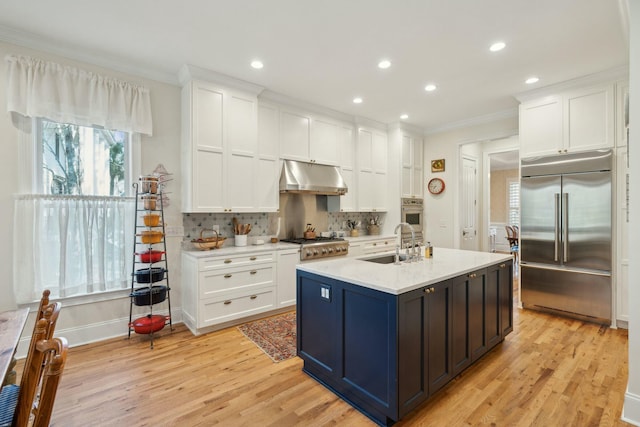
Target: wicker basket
208,243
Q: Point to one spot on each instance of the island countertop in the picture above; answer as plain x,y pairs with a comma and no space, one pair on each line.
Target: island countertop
408,276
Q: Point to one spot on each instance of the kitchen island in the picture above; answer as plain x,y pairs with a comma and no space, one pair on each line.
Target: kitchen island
386,337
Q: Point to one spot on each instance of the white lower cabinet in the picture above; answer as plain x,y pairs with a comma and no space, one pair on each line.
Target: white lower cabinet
286,283
378,245
371,245
219,289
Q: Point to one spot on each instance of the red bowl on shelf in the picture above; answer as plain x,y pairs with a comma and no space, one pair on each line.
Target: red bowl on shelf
148,324
150,256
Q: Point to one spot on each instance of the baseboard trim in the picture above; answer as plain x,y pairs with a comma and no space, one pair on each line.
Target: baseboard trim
631,409
94,332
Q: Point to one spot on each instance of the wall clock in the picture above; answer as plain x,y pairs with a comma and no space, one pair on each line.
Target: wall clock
435,186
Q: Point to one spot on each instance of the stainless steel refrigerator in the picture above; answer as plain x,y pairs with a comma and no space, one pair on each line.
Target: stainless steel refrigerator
565,234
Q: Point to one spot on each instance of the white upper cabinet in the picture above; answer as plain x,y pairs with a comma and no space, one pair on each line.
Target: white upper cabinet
372,154
220,161
578,120
266,186
295,134
412,166
346,148
309,138
541,126
323,147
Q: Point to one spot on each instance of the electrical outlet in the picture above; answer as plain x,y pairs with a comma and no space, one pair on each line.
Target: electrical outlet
216,228
325,293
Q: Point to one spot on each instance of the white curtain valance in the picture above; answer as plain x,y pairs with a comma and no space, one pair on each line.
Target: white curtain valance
37,88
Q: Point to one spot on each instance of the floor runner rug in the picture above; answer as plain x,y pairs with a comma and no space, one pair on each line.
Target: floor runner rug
276,335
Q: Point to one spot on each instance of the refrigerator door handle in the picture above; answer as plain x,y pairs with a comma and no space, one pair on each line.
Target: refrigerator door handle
565,227
556,226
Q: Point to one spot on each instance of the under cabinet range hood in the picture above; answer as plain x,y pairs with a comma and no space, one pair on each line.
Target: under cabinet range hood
304,177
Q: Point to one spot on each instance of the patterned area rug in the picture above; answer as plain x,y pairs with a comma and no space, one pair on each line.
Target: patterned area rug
276,335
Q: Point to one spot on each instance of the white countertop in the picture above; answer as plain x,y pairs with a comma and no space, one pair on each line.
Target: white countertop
398,279
234,250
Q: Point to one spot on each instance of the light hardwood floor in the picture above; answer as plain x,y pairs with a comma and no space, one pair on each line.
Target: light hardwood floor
549,372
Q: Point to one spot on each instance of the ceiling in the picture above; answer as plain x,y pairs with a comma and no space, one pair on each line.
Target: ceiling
326,52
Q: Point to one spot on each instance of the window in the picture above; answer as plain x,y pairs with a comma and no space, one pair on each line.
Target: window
513,201
74,230
77,229
81,160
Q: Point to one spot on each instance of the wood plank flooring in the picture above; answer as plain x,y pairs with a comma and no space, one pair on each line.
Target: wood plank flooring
550,371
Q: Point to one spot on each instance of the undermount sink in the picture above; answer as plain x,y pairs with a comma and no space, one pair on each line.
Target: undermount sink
385,259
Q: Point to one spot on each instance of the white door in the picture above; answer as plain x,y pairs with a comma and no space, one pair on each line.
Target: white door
468,205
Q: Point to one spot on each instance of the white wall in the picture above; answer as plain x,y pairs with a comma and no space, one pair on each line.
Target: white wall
631,411
86,322
441,211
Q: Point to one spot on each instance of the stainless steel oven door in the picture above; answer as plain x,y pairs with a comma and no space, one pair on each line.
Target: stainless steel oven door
413,217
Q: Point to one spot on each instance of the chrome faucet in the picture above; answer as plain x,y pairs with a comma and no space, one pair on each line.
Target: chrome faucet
413,255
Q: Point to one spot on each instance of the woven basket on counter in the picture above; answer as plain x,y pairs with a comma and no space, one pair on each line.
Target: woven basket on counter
207,243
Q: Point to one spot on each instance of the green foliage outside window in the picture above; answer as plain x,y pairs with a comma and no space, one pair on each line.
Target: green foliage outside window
80,160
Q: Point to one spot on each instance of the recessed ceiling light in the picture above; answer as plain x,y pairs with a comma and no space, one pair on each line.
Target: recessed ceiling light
257,64
531,80
357,100
404,116
430,87
497,46
384,64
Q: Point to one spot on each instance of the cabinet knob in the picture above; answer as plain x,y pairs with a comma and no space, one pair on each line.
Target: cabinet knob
253,296
253,258
472,275
227,302
227,261
253,272
226,276
503,265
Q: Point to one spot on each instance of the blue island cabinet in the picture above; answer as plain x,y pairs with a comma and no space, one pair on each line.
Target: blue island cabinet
387,354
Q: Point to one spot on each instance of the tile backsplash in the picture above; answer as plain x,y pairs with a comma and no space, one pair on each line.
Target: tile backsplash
266,224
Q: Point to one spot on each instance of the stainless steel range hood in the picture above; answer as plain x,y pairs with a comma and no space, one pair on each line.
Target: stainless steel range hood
303,177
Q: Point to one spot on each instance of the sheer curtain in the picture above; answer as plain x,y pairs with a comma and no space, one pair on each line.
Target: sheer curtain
72,245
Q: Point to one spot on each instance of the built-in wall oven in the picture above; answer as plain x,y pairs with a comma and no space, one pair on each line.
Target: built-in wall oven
412,212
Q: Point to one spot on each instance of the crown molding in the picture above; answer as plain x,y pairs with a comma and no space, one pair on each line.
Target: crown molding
407,127
76,53
473,121
288,101
606,76
188,72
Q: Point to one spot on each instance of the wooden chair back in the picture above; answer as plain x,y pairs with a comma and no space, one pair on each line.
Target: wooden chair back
512,235
32,370
54,354
50,313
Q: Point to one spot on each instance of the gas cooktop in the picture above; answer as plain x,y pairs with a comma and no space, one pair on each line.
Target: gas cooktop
303,241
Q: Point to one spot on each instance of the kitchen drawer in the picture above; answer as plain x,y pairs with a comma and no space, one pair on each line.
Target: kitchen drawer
214,283
216,310
235,260
376,246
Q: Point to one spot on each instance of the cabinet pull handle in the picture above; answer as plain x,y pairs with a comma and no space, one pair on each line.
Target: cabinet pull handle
227,302
227,261
253,272
253,258
253,296
503,265
226,276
